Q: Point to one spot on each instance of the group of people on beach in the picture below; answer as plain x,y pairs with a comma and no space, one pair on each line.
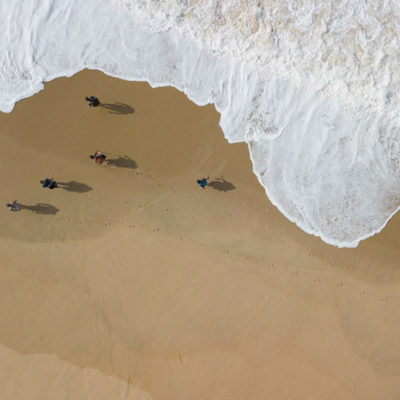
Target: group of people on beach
98,157
92,101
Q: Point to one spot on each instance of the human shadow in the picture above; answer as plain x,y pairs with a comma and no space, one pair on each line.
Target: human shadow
41,208
122,162
118,108
74,186
222,185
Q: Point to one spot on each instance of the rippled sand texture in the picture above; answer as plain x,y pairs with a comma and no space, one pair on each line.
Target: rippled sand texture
137,284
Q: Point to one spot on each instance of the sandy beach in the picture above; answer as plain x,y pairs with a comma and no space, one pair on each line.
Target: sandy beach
131,282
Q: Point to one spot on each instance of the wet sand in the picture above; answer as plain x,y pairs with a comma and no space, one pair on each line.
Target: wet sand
131,282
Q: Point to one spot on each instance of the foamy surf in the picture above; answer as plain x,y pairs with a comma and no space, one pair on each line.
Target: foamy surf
312,89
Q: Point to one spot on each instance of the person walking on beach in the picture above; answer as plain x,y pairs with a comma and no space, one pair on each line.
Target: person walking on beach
98,157
93,101
49,183
14,206
202,182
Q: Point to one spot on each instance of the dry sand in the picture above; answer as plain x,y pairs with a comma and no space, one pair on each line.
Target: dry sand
137,284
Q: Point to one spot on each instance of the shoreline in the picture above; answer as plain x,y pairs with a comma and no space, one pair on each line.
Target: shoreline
175,291
256,95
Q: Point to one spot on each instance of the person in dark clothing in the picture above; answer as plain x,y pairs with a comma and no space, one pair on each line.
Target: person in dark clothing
202,182
98,157
14,206
93,101
49,183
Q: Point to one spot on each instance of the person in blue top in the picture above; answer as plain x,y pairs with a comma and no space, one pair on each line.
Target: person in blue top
14,206
202,182
49,183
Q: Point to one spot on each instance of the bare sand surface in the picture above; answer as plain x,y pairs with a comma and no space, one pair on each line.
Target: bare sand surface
131,282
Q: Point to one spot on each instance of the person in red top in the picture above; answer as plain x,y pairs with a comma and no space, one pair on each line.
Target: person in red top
98,157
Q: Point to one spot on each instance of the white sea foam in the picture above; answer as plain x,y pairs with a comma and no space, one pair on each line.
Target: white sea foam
312,86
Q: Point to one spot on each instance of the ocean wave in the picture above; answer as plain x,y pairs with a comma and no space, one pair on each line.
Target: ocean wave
312,87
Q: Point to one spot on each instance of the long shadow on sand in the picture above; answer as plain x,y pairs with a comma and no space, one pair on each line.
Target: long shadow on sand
74,186
122,162
42,208
222,185
118,108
